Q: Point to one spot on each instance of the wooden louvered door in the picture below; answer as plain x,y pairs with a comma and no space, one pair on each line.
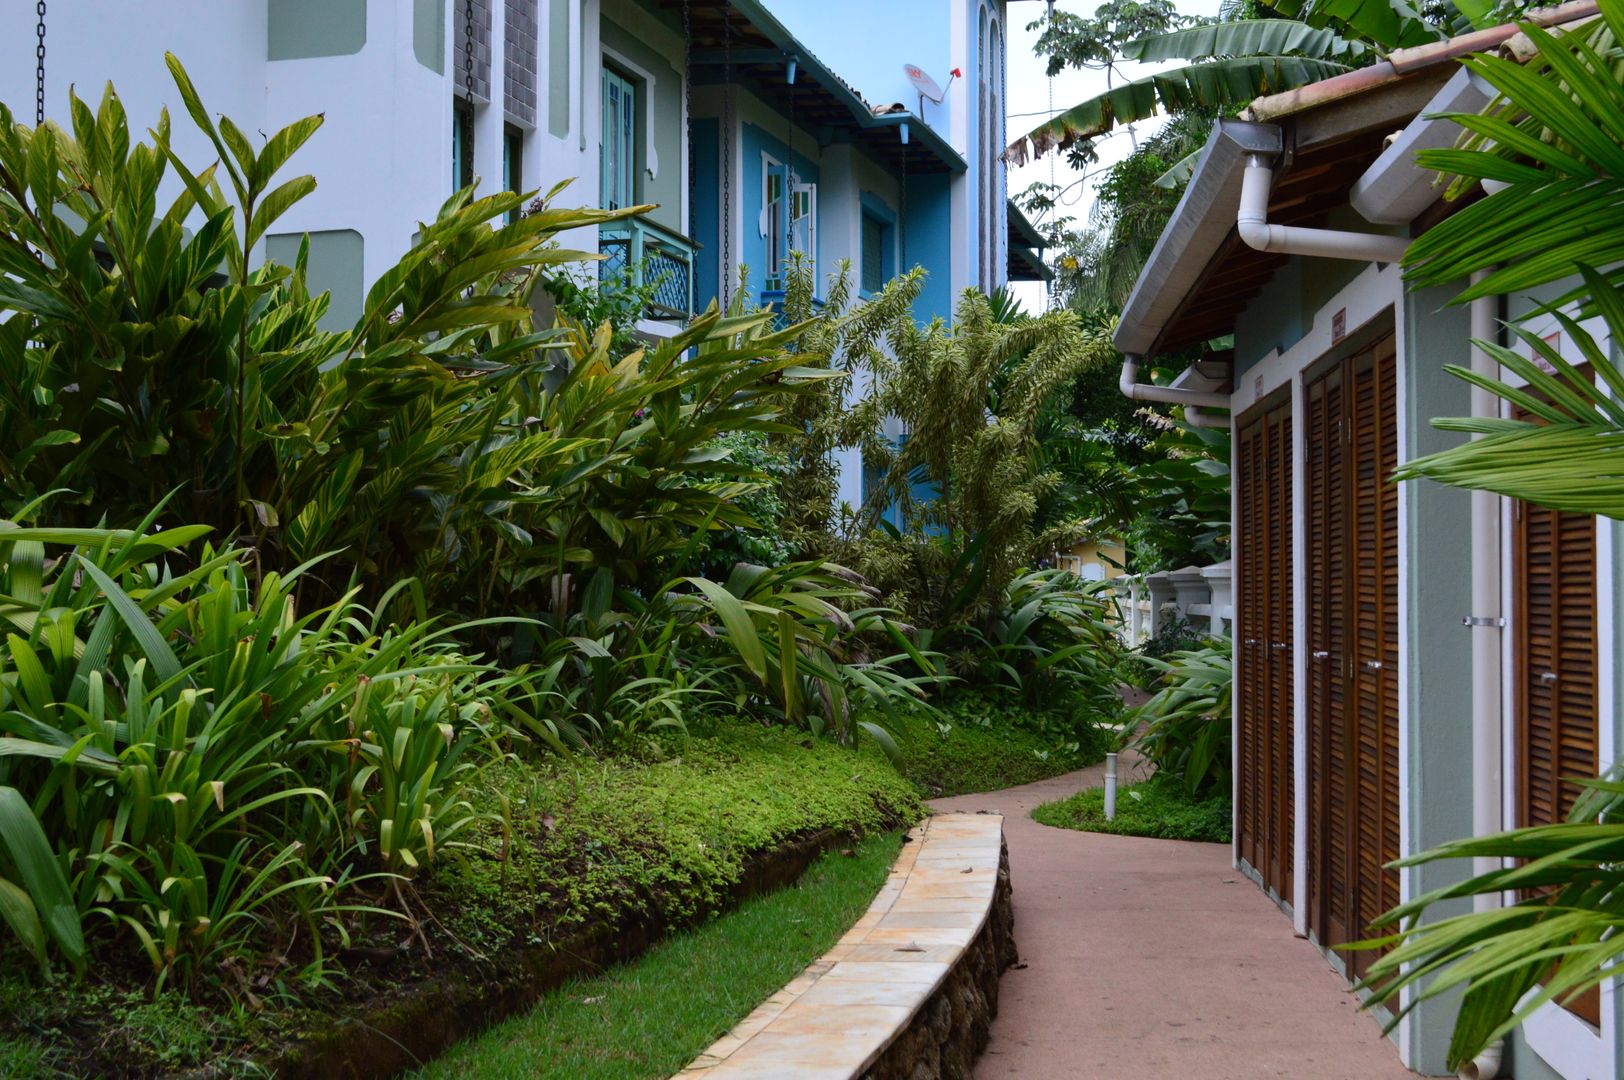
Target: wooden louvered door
1373,598
1555,691
1352,721
1264,706
1330,868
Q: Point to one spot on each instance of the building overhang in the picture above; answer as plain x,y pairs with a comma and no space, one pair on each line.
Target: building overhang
740,43
1026,246
1348,140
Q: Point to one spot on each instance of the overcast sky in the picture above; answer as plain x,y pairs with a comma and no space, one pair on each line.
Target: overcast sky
1028,104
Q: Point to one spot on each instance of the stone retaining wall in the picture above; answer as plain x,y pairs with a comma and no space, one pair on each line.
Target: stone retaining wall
945,1037
910,991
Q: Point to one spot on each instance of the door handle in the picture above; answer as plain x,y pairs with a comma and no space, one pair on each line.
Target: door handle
1320,654
1547,677
1280,645
1373,665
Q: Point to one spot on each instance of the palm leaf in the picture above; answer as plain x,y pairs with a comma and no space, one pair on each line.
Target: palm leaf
1220,84
1571,456
1245,38
1555,137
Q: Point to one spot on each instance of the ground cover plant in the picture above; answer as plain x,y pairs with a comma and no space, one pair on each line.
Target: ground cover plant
1158,807
974,743
661,836
649,1018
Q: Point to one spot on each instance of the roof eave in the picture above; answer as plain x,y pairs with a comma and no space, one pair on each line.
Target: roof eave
809,65
1195,233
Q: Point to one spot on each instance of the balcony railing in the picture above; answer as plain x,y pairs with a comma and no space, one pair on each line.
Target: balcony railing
774,299
657,257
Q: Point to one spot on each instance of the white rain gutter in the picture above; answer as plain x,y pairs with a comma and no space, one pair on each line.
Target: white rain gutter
1252,224
1486,620
1171,395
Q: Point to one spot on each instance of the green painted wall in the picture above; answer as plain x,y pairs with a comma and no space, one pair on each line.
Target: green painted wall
1438,591
299,29
558,68
335,268
1273,320
428,34
665,113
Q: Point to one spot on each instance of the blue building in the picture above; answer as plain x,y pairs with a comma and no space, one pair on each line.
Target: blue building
787,153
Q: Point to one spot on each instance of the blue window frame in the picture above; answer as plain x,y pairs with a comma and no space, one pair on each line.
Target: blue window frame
877,253
512,165
617,154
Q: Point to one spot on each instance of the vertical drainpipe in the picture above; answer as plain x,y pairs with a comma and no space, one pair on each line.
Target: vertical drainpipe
1486,621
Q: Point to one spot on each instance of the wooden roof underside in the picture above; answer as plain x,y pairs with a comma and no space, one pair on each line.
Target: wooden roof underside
1328,151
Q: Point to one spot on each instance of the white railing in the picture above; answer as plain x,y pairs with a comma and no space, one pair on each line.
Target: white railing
1202,596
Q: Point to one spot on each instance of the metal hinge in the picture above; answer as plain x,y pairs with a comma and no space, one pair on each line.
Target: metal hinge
1483,620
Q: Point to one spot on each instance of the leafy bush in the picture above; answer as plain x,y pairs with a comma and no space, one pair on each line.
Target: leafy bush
1189,721
206,765
976,743
1160,807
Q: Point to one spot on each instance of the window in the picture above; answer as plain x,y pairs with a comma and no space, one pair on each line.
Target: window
788,221
617,156
513,165
772,214
462,145
876,253
990,142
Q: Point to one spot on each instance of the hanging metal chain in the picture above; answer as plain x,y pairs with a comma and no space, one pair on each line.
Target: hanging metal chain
39,65
902,214
727,157
790,178
468,83
688,111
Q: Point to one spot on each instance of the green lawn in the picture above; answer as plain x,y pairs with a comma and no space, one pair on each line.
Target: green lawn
1158,807
650,1017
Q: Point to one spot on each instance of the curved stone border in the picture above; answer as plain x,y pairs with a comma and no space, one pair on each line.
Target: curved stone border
910,990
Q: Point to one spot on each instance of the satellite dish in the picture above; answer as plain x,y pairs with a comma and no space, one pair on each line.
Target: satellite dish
928,90
924,84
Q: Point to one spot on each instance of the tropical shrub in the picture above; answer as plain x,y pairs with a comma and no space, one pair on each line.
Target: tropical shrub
965,483
207,765
440,437
1188,722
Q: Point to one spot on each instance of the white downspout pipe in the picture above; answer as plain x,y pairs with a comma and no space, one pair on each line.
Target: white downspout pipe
1486,618
1485,622
1171,395
1252,224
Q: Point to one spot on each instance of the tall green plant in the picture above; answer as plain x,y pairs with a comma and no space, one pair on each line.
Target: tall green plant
1189,720
204,761
964,473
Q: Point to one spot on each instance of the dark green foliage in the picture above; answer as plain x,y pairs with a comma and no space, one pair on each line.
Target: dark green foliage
1557,140
649,1018
1159,807
981,743
1188,722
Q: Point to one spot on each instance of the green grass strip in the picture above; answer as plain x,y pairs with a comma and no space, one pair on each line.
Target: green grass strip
1157,808
650,1017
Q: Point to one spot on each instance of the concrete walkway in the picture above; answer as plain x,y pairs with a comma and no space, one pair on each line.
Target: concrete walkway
1153,958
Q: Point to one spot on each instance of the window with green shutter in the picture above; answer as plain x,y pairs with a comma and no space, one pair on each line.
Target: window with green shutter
617,155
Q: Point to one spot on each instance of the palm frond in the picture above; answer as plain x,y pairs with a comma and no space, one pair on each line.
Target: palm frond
1223,84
